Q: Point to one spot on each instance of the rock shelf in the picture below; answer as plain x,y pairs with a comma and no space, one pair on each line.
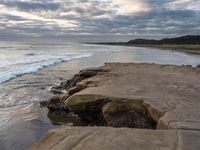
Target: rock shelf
145,96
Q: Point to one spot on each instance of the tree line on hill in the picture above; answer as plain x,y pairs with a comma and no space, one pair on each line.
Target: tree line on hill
188,39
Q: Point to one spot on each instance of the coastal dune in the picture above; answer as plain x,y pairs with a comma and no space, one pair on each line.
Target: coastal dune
129,106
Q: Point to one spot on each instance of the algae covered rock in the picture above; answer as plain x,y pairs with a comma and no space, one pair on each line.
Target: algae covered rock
106,111
85,103
88,107
127,113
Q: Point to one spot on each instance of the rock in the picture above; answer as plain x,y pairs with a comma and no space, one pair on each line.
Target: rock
76,89
57,113
44,103
115,112
170,94
88,73
83,74
85,103
72,82
168,91
127,113
65,118
198,66
65,97
88,107
106,138
189,66
56,90
56,103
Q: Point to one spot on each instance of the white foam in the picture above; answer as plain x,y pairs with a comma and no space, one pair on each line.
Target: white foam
33,67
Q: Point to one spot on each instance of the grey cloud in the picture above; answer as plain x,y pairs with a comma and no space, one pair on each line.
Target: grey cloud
31,6
160,21
10,17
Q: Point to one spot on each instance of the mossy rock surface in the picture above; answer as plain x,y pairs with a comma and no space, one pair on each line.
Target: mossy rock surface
125,105
85,103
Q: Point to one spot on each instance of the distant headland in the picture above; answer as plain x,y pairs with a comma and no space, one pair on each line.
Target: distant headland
187,43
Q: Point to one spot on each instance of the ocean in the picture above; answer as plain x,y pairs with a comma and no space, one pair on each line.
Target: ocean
28,70
21,58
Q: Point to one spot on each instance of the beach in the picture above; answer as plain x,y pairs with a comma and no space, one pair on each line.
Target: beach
99,75
23,121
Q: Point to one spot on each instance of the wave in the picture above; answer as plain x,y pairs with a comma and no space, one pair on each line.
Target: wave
32,58
34,67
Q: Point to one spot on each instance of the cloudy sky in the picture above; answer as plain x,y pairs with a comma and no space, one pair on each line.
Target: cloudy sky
97,20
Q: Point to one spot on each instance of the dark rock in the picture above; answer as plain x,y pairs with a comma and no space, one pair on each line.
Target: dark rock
127,113
56,90
88,107
87,73
83,74
44,103
103,111
189,66
198,66
56,103
63,118
130,119
72,82
76,89
65,97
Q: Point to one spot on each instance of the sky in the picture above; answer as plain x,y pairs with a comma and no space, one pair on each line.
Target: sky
97,20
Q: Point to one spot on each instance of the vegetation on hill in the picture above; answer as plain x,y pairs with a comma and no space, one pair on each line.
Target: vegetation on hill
188,39
188,43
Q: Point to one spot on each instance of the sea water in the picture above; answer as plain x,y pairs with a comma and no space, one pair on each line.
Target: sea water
21,58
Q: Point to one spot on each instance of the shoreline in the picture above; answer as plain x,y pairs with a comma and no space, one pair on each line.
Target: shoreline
181,48
191,49
146,91
23,114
